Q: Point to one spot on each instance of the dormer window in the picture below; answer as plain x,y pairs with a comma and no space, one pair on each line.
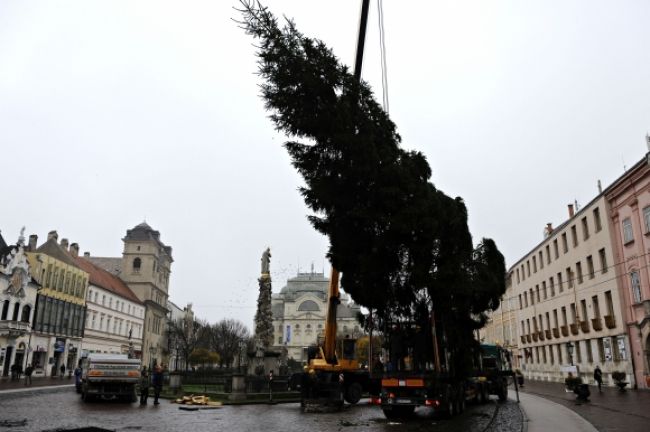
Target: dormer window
137,263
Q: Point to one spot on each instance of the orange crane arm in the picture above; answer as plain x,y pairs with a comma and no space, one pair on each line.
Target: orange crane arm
329,346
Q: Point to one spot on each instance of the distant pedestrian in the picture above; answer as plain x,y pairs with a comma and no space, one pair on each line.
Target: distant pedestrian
28,375
77,378
598,377
144,386
62,370
157,382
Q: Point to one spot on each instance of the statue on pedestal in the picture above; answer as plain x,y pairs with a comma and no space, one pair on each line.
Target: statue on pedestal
266,261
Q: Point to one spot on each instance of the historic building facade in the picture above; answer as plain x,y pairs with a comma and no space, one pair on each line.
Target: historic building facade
299,311
629,201
501,328
183,319
114,317
145,267
60,307
567,300
18,293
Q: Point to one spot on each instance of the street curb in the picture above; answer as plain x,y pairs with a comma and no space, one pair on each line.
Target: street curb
524,418
29,389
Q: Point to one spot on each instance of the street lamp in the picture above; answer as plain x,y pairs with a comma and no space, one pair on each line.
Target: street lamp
569,350
242,344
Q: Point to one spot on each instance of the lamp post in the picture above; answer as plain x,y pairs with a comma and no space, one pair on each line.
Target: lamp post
241,348
569,350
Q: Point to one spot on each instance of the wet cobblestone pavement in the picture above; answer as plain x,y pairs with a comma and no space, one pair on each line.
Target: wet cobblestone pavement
62,409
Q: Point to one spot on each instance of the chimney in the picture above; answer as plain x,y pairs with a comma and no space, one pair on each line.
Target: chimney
53,235
74,250
549,229
600,186
86,254
571,213
64,243
33,239
647,140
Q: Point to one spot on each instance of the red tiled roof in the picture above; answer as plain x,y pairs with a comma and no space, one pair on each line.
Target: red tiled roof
103,279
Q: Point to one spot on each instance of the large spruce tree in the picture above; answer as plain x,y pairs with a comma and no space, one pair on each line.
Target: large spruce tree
403,247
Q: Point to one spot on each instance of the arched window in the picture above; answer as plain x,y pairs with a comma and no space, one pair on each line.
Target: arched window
308,326
308,305
27,310
16,308
137,263
5,310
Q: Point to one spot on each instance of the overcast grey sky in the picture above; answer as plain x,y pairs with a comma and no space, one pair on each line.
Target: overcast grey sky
116,111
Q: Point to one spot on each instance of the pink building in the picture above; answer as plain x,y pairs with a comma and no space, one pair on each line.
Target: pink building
629,204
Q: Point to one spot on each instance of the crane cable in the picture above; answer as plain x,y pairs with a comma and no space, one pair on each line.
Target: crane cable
382,48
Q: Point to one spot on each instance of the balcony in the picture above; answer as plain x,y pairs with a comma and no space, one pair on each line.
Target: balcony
574,329
535,336
565,330
529,338
556,333
610,321
541,335
584,326
597,324
548,334
523,339
13,329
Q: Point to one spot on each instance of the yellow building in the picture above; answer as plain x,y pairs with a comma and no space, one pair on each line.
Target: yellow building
60,306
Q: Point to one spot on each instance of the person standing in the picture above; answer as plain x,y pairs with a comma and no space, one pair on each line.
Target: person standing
157,382
144,385
598,377
28,375
77,377
62,370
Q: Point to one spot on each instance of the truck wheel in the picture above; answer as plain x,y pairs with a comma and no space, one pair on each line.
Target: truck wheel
503,392
450,410
460,408
85,396
353,393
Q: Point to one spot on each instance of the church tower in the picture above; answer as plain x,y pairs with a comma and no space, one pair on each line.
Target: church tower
146,266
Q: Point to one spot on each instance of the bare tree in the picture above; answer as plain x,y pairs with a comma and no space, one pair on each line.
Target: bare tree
225,338
186,336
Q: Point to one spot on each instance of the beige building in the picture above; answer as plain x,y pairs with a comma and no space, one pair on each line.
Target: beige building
566,295
299,311
60,307
114,315
145,267
501,328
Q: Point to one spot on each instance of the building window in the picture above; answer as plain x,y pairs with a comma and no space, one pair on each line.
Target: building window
559,282
597,224
585,228
544,289
518,280
590,267
574,236
565,243
646,219
596,307
603,260
579,271
556,249
27,310
636,286
5,310
521,304
552,286
569,277
534,264
590,354
137,263
628,236
528,268
548,254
